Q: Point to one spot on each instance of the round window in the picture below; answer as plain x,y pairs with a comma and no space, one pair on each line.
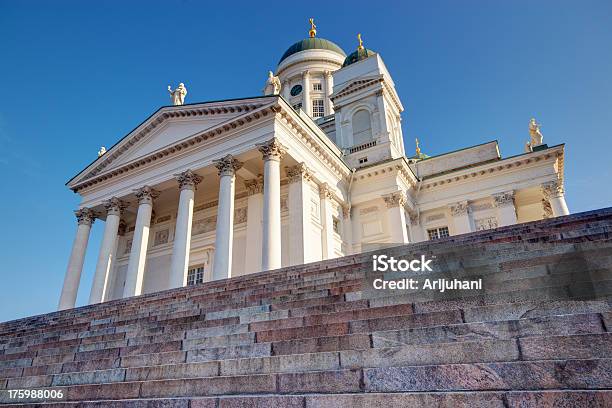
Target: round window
296,90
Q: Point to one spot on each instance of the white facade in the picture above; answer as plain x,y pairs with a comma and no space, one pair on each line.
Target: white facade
219,189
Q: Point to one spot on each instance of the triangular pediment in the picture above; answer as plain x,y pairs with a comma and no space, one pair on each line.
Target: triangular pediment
356,85
167,127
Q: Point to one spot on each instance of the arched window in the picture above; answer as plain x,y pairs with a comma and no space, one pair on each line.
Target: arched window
362,127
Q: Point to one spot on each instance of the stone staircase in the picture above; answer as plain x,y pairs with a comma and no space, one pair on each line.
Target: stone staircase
538,335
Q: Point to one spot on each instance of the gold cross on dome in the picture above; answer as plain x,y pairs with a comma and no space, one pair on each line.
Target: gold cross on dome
313,28
360,42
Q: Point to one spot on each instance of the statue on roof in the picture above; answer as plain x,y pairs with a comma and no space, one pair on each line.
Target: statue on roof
273,85
101,151
536,135
178,95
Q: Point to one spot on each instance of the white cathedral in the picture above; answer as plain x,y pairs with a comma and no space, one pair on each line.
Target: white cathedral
314,169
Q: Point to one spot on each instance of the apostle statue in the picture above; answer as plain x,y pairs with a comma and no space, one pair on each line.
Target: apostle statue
273,85
534,131
178,95
101,151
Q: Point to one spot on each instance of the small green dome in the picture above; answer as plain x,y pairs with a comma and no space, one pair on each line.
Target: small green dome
358,55
313,43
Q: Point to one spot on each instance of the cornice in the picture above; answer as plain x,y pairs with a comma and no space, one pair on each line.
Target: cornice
252,112
397,166
307,60
496,167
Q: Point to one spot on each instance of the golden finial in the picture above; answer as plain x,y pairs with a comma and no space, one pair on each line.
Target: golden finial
418,149
313,28
360,42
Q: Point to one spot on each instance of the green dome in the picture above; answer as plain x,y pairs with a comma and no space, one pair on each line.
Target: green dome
358,55
312,43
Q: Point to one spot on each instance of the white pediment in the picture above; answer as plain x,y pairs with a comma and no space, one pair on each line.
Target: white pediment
170,132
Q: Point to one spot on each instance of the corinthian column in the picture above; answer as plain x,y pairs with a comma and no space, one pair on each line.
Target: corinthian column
329,89
306,104
254,230
136,265
396,217
327,221
224,238
554,192
85,218
300,235
506,212
114,207
461,215
272,152
187,181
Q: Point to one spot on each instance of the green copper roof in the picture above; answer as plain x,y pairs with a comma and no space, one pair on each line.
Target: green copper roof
312,44
358,56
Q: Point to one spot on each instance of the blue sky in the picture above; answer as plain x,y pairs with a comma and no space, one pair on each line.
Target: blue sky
78,75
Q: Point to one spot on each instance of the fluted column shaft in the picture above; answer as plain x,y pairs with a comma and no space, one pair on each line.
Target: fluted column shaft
306,103
114,208
396,217
272,152
329,89
136,264
224,238
85,218
188,181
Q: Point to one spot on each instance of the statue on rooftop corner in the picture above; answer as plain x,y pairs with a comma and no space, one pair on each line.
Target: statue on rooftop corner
101,151
536,135
273,85
178,95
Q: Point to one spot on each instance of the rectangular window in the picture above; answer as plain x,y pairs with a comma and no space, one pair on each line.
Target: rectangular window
195,275
317,87
437,233
363,160
318,110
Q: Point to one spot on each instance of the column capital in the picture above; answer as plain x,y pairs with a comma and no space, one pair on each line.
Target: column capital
85,216
272,149
327,73
188,180
146,195
397,199
298,172
552,189
227,165
414,217
305,73
459,209
114,206
325,191
254,186
346,211
503,199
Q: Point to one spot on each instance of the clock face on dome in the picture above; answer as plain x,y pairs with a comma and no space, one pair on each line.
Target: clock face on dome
296,90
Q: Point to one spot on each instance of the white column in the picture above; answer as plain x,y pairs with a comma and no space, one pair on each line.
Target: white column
112,273
272,152
416,230
85,218
285,90
224,238
300,223
140,242
306,104
554,192
347,229
114,209
506,212
396,217
254,229
327,221
382,112
188,181
461,217
329,89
